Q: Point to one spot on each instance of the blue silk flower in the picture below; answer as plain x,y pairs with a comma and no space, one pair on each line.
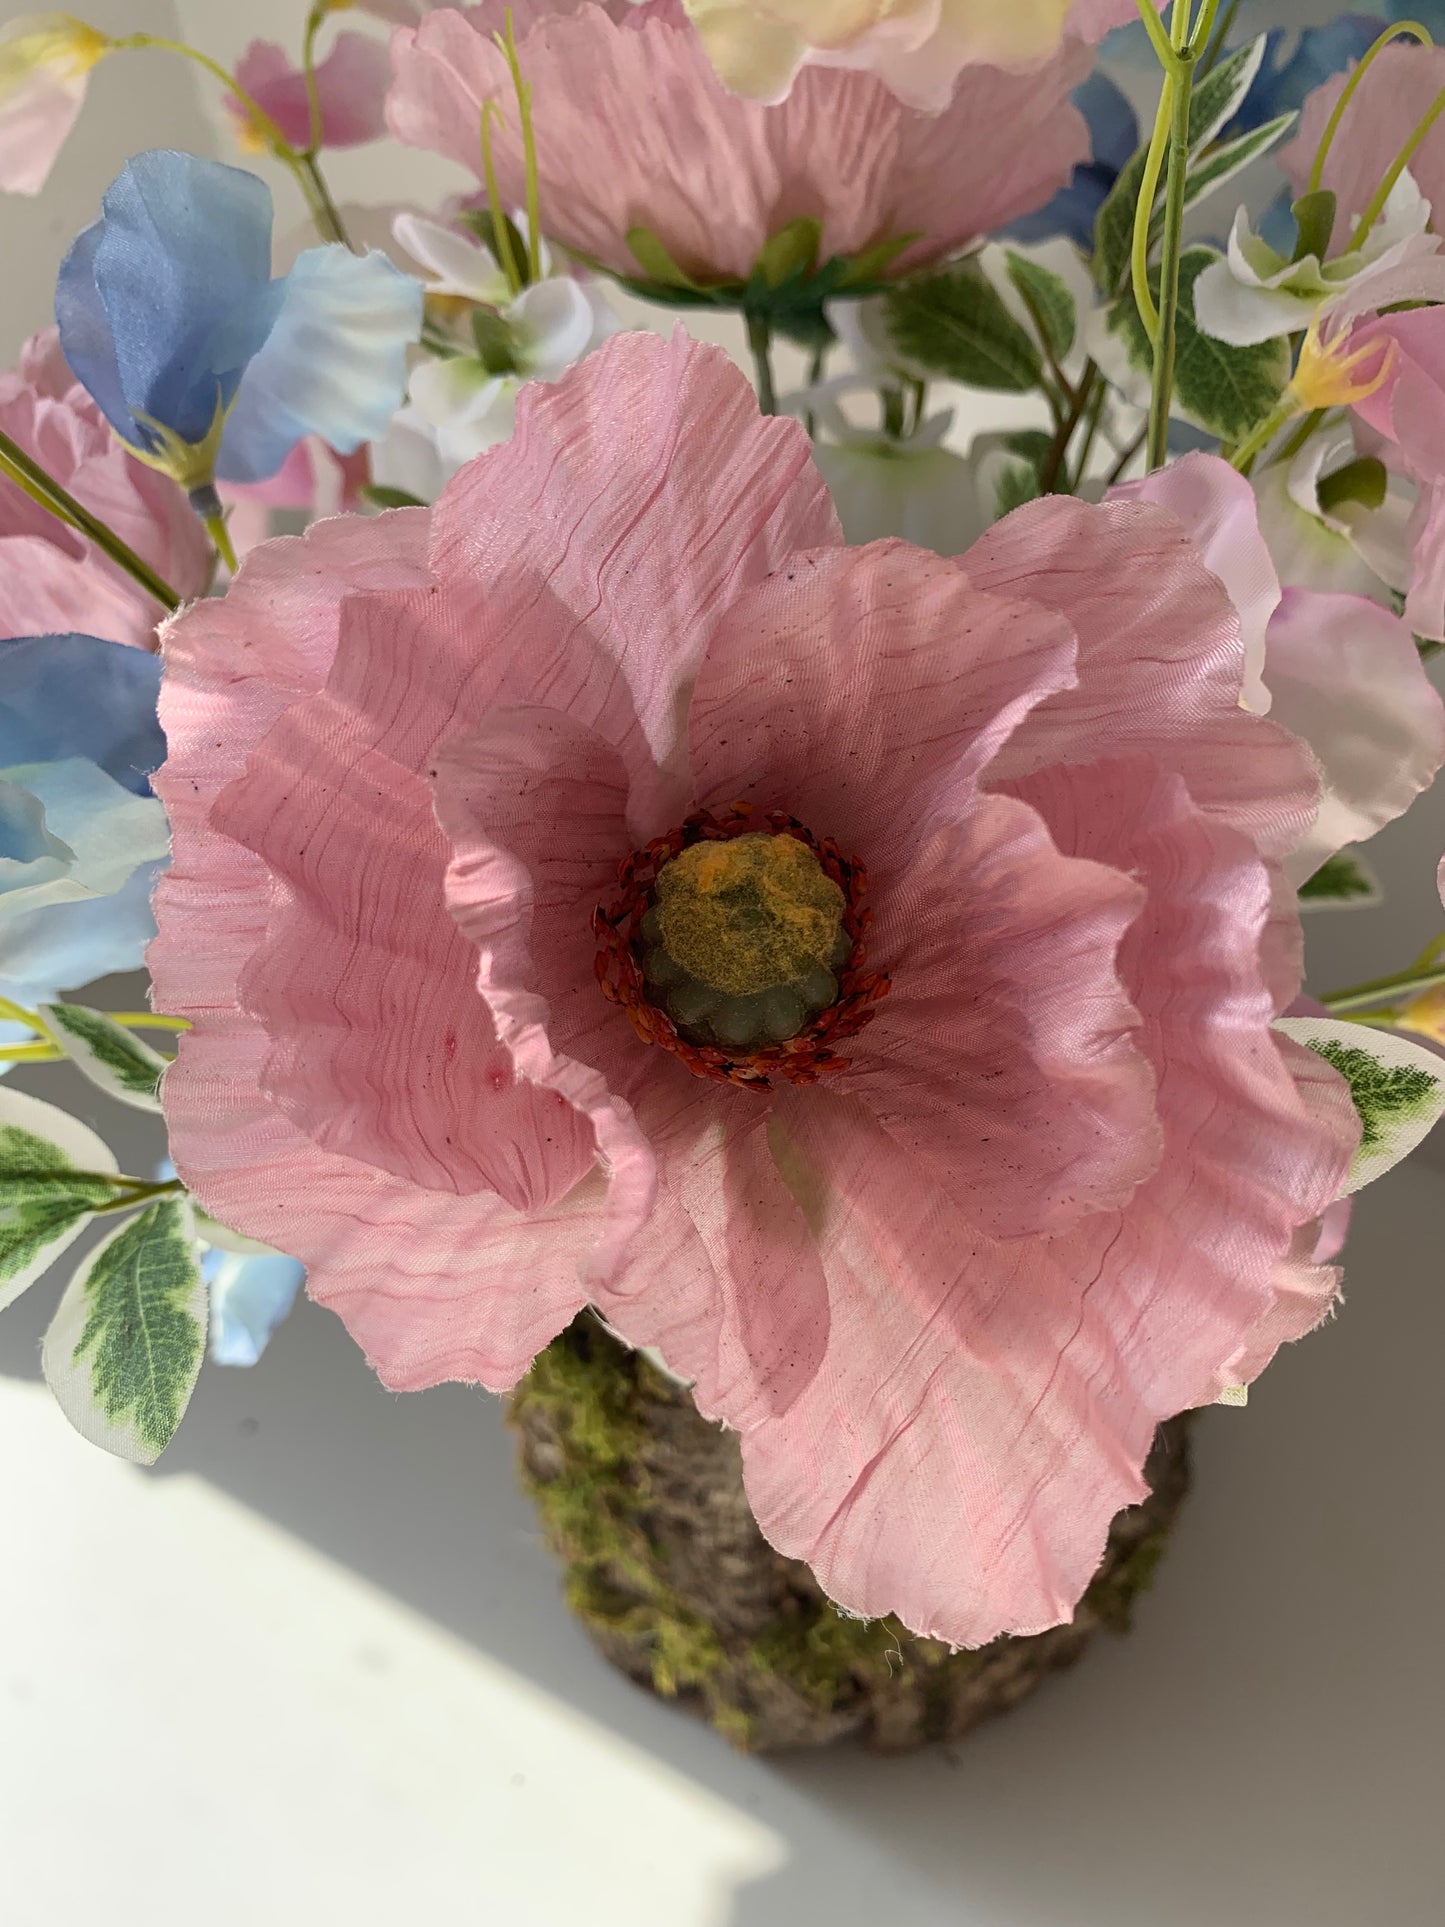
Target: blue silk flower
81,835
201,362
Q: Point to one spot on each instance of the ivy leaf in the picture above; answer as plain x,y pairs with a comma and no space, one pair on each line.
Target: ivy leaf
954,323
1343,881
125,1346
52,1175
1398,1087
100,1049
1221,388
1046,296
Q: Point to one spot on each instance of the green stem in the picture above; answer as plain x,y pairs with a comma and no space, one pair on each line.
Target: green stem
31,1054
308,68
1221,35
43,489
1162,388
1379,989
1351,87
1053,462
760,341
1126,456
148,1020
1263,433
221,537
1091,426
1375,206
1144,213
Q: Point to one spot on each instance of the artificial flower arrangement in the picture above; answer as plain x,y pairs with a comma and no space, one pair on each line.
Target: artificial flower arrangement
771,936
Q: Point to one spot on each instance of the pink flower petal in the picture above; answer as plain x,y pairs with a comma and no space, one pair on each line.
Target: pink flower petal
1391,99
1161,673
1216,506
351,84
35,123
633,128
860,689
1348,680
1002,1058
984,1409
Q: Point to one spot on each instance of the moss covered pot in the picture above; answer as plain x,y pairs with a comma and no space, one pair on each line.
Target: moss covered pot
643,1502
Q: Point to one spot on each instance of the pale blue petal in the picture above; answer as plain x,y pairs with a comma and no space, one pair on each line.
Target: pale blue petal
63,696
249,1298
70,944
177,273
334,365
24,839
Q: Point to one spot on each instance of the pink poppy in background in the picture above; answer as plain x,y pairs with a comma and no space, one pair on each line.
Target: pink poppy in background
351,84
1394,96
917,47
461,799
52,580
634,129
313,481
1407,414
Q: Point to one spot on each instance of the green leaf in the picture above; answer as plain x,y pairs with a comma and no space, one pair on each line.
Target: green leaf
1214,103
655,261
1047,298
954,323
1223,389
1223,162
1033,445
1016,484
1314,220
378,497
1398,1087
119,1063
46,1190
482,223
124,1349
793,250
1341,880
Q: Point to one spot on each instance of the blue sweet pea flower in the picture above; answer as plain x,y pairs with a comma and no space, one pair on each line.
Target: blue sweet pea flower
1114,135
81,835
250,1294
201,362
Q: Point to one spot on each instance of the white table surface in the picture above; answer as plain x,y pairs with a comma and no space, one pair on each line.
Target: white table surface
315,1666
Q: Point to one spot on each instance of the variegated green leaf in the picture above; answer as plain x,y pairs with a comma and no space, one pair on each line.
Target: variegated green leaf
52,1175
119,1063
1046,296
125,1346
1398,1087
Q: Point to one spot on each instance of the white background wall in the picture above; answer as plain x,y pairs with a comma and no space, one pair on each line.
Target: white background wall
315,1666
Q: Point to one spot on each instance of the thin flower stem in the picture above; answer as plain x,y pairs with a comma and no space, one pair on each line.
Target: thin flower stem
11,1013
42,487
1221,34
1180,92
1153,26
148,1020
506,253
1053,462
1091,426
1380,989
1261,435
1144,212
308,69
760,341
1351,87
1375,206
1126,456
221,536
507,41
31,1054
141,1194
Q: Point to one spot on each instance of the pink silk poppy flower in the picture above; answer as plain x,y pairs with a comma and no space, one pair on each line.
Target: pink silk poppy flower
634,129
53,581
849,970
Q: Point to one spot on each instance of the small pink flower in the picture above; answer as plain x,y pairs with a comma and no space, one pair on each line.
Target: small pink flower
313,481
1407,413
52,580
1391,100
45,63
634,129
351,85
455,796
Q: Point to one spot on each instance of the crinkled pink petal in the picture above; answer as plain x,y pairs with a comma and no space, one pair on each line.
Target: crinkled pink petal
76,587
35,123
1393,97
351,84
1216,506
863,689
1347,680
1002,1058
1160,672
585,563
984,1409
634,129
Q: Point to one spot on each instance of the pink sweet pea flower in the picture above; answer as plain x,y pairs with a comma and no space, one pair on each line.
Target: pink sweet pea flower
52,580
1394,96
45,63
631,121
456,796
1337,670
351,85
917,47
